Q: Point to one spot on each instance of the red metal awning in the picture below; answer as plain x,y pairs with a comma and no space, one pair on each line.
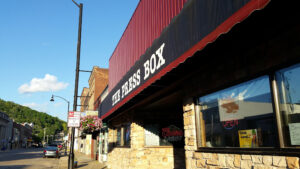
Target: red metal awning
198,24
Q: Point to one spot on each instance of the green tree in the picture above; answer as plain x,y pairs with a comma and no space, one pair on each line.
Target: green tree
21,114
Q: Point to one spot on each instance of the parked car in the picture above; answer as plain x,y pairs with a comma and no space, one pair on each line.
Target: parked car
51,151
55,144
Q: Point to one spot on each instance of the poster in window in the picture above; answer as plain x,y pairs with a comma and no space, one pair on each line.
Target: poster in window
151,135
243,100
238,109
294,133
248,138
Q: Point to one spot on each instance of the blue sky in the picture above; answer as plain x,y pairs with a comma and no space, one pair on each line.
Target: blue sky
38,40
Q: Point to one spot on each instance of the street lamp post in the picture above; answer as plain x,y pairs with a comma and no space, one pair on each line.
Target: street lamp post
52,100
71,155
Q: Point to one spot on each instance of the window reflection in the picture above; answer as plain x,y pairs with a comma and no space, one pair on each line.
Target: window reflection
240,116
288,82
164,134
119,130
127,135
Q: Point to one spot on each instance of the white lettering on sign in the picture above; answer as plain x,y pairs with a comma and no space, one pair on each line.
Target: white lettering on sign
132,83
127,87
116,97
155,62
150,67
161,59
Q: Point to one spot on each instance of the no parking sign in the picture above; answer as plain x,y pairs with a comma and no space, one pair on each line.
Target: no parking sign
74,119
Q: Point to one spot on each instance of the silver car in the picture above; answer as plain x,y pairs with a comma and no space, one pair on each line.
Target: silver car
51,151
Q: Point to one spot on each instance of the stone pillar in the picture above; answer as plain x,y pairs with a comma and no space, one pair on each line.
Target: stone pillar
189,131
137,145
137,136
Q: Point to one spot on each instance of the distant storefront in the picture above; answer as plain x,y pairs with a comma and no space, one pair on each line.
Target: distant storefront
215,86
5,131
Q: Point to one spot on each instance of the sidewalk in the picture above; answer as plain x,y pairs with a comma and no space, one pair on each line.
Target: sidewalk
84,162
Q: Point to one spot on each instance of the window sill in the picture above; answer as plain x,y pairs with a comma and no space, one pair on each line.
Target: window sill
158,147
122,147
253,151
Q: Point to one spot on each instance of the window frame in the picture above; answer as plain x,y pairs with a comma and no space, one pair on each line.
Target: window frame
281,150
286,137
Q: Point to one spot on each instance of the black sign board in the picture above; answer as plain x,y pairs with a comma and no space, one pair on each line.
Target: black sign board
200,22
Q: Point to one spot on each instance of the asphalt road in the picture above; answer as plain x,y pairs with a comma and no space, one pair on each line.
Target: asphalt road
31,158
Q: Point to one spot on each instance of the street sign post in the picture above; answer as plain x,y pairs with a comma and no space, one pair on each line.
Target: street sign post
74,119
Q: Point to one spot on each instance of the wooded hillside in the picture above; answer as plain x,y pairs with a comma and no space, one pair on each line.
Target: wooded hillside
21,114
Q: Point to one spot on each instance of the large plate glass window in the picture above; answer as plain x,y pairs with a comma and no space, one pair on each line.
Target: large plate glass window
119,136
123,135
288,82
127,134
239,116
163,135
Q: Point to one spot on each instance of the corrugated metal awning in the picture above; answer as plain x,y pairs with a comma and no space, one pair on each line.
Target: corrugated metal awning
199,23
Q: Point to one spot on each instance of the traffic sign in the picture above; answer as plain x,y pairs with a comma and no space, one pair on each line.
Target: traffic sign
74,119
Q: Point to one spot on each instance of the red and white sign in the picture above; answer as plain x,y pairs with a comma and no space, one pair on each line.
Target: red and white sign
74,119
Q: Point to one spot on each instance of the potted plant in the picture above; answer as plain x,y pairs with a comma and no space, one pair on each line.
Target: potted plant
90,125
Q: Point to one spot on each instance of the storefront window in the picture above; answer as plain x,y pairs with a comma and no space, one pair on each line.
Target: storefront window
239,116
163,135
119,136
127,135
123,135
152,135
288,82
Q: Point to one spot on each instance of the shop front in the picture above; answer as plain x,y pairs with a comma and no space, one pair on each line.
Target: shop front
219,88
151,136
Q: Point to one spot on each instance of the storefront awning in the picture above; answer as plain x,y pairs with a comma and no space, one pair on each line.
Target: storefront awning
199,23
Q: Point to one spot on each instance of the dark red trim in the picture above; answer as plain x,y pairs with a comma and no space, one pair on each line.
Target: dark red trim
237,17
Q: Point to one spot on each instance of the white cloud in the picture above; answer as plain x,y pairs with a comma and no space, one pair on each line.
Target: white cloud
48,83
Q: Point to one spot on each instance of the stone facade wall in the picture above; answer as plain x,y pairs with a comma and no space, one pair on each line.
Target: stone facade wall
195,160
117,158
138,156
213,160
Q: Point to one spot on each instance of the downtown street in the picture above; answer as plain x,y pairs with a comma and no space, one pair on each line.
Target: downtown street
26,159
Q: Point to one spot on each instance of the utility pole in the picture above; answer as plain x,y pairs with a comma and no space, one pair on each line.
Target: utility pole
71,155
47,139
44,134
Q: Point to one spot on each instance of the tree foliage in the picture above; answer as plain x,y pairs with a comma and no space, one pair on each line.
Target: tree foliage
21,114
